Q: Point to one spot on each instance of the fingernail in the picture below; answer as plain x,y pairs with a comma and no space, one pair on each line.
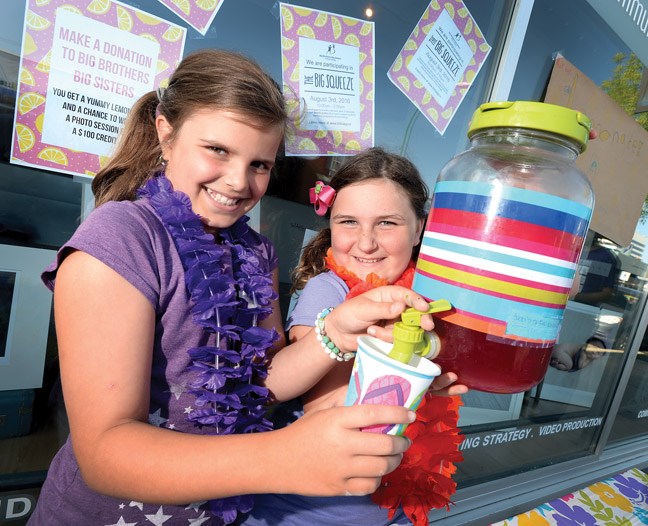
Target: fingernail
371,331
411,415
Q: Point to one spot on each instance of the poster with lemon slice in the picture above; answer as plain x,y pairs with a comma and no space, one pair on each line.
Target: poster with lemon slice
328,81
84,63
198,13
440,60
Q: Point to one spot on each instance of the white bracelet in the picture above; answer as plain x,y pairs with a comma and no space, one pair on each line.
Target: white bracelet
331,349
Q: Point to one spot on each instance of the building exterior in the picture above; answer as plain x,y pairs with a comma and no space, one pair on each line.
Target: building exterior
520,450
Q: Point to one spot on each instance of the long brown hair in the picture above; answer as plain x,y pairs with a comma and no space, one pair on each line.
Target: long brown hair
374,163
208,78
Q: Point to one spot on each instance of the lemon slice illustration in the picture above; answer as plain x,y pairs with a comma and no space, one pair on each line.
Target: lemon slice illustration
28,101
173,34
37,22
124,19
183,5
99,7
26,138
288,19
207,5
26,77
53,155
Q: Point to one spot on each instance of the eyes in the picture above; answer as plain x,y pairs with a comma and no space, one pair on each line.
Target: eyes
258,166
382,222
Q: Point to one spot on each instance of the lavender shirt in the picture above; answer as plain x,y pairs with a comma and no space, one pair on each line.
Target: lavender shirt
322,291
130,238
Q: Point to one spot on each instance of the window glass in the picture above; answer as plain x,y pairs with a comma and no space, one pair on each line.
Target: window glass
40,210
563,416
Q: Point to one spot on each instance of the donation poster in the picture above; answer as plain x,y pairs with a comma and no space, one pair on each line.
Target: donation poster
440,61
82,68
198,13
328,81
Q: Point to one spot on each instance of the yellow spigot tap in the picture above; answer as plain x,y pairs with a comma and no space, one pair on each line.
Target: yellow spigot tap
411,339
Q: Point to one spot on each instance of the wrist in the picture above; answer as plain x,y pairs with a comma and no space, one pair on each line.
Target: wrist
324,337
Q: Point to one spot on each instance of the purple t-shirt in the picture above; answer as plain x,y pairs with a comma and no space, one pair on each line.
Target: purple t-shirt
130,238
322,291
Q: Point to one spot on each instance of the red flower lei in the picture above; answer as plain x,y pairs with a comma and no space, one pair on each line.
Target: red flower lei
424,478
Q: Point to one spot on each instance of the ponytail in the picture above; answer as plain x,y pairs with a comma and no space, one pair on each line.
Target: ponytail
311,262
135,157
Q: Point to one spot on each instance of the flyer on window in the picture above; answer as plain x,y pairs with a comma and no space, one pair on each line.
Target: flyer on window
440,60
83,65
198,13
328,81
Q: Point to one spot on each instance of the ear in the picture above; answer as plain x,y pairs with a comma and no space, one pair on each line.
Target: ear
164,133
419,231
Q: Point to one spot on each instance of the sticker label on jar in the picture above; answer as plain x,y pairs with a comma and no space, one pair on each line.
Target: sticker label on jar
505,257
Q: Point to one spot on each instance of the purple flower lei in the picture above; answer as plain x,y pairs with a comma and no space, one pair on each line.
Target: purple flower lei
229,295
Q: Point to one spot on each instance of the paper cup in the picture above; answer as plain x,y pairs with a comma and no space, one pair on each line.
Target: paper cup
378,379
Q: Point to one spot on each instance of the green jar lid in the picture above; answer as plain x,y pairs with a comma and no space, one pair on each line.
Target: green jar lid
534,116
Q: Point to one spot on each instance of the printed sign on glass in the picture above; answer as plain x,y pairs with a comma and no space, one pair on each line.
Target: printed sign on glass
328,81
440,60
82,68
198,13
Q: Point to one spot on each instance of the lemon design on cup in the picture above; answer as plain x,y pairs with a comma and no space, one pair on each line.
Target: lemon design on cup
26,138
53,155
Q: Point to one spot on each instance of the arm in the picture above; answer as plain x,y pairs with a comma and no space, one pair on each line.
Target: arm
105,328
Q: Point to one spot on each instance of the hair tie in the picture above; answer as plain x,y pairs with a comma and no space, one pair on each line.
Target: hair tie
322,196
160,93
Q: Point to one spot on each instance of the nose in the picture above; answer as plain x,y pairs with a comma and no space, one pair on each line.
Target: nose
236,177
367,240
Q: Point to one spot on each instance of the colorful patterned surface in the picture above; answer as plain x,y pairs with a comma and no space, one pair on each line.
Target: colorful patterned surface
299,22
198,13
492,253
35,66
399,74
621,500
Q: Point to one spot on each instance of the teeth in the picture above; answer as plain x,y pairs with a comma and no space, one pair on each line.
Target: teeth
361,260
220,198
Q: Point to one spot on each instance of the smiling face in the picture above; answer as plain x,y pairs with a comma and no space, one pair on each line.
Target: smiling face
220,161
374,229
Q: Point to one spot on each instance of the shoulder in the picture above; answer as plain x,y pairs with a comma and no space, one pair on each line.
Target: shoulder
321,291
128,237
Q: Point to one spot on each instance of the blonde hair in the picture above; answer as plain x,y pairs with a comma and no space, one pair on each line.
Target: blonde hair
208,78
374,163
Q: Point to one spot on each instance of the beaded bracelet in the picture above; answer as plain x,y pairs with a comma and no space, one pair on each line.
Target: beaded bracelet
331,349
